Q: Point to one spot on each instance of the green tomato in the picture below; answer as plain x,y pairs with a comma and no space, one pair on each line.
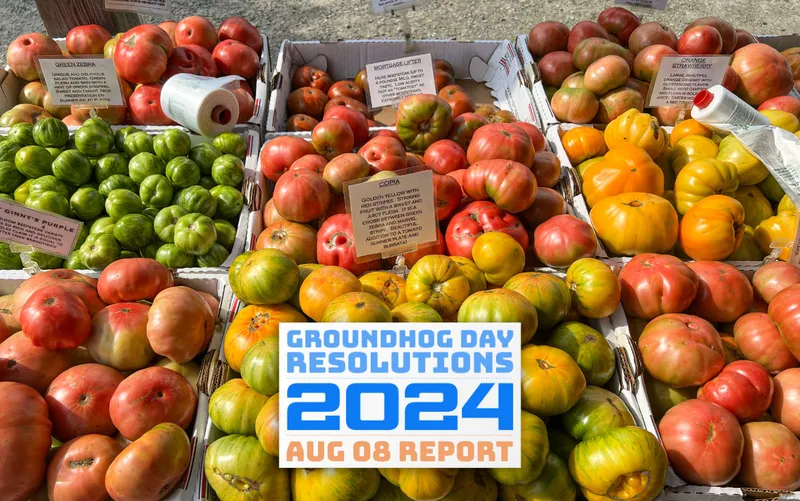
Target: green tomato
34,161
22,134
83,233
9,260
100,123
126,254
87,203
143,165
10,177
195,234
118,182
48,183
93,140
49,201
206,182
110,164
228,170
213,258
172,257
74,262
50,132
204,154
164,223
172,143
23,191
46,261
73,168
99,250
183,172
55,152
137,142
151,213
198,199
229,202
149,251
226,233
133,231
103,225
231,143
8,151
156,191
123,202
121,134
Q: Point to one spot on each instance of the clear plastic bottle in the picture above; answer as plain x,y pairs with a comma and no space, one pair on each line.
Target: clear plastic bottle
718,105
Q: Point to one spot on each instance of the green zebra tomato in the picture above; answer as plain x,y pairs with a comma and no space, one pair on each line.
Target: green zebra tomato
229,202
93,140
73,168
133,231
183,172
206,182
172,143
9,149
23,191
87,203
110,164
195,234
49,201
10,177
50,132
231,143
48,183
137,142
228,170
118,182
165,221
121,134
22,134
156,191
145,164
9,260
226,233
103,225
122,202
204,154
213,258
99,250
198,199
34,161
172,257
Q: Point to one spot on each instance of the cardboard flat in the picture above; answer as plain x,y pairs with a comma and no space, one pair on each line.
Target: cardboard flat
493,66
11,84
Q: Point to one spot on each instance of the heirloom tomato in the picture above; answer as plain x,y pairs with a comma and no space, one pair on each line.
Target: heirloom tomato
596,412
297,240
771,458
723,295
552,382
654,284
760,341
713,228
136,279
357,307
547,293
588,348
253,324
336,245
323,285
234,407
180,324
772,278
438,282
301,195
78,469
142,53
743,387
422,120
266,276
500,305
562,240
476,219
243,458
534,447
501,141
55,319
511,185
595,287
386,286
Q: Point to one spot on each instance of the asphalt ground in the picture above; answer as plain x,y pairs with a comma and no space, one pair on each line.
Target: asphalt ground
441,19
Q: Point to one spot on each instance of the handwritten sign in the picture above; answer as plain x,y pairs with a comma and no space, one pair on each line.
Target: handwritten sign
154,7
390,81
680,78
47,232
81,81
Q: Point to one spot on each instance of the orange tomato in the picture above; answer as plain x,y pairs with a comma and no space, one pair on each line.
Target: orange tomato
780,230
624,169
702,178
322,286
689,127
357,307
583,143
251,325
712,229
635,223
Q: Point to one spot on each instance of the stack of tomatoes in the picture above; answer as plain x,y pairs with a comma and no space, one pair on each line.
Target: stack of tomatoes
597,71
106,368
144,57
721,359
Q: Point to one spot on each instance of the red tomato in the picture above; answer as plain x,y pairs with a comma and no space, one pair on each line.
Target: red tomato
547,37
358,124
307,101
789,104
786,401
347,88
703,441
239,28
723,294
784,311
332,137
772,278
562,240
142,54
25,50
183,60
301,195
309,76
84,287
388,133
458,99
77,471
743,387
314,163
384,153
533,132
700,40
464,127
22,362
351,103
743,38
235,58
208,68
681,350
763,72
344,168
278,154
501,141
548,203
55,318
149,397
336,246
458,175
78,400
726,31
196,30
618,21
301,123
476,219
169,27
144,106
5,332
87,39
446,196
510,184
582,31
759,341
771,457
244,96
131,280
546,168
445,156
654,284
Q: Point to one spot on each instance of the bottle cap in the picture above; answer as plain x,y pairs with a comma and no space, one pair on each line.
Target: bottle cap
703,99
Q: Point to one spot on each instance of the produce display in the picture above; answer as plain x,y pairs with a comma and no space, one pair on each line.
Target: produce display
596,71
96,397
138,194
144,57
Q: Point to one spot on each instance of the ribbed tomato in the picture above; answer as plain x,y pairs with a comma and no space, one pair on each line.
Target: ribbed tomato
759,341
510,184
654,284
723,294
501,141
336,246
551,380
476,219
743,387
562,240
500,305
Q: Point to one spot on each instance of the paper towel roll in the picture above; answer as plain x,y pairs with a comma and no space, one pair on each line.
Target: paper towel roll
202,104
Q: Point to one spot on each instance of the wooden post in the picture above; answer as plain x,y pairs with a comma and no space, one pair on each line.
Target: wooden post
60,16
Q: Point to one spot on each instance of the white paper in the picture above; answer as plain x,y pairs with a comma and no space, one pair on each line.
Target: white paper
680,78
81,81
644,4
394,215
390,81
50,233
381,6
153,7
202,104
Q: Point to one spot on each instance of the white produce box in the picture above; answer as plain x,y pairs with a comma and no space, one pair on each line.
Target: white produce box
11,84
494,63
216,284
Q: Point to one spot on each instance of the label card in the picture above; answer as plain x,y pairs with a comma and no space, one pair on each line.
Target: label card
644,4
381,6
50,233
426,395
154,7
81,81
390,81
680,78
393,215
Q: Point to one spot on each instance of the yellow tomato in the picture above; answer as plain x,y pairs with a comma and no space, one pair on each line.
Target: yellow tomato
477,281
782,119
587,163
689,127
778,230
692,148
595,287
386,286
749,169
712,229
438,282
635,223
498,256
638,129
756,206
786,204
701,179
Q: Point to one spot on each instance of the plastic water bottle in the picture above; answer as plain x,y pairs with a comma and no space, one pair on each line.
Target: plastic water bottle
718,105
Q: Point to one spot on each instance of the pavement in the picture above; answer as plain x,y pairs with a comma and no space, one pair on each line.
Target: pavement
442,19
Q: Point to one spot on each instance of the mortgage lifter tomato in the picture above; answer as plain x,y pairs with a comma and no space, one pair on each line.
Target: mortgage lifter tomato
743,387
476,219
422,120
55,319
501,141
510,184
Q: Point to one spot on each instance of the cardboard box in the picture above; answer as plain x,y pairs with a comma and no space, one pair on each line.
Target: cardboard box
11,84
216,284
490,70
252,199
